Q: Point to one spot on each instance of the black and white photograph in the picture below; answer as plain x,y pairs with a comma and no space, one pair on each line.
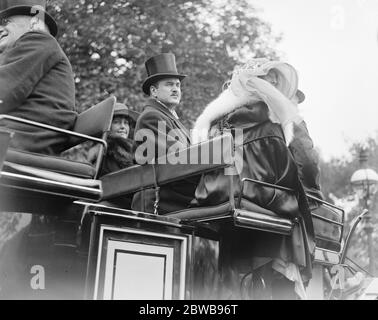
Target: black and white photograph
208,152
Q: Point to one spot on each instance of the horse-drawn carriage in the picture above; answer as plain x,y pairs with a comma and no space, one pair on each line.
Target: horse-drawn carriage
73,236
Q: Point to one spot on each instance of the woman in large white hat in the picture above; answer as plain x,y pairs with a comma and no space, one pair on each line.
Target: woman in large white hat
261,100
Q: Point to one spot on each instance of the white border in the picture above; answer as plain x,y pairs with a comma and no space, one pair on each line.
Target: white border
184,250
110,268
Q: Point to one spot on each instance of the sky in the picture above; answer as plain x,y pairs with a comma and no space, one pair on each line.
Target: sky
333,44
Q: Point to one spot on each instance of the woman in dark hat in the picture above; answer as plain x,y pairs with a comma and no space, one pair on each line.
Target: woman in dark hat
121,147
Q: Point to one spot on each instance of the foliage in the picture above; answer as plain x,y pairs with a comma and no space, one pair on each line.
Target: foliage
10,224
107,43
335,179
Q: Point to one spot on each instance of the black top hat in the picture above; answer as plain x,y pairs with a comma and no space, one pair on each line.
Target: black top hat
159,67
32,8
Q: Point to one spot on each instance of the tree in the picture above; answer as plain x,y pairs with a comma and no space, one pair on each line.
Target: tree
335,178
107,43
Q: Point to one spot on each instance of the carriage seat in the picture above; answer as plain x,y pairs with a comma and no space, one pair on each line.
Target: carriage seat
249,215
46,174
5,137
328,223
50,163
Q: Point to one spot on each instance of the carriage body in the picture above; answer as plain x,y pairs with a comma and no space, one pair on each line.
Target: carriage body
74,237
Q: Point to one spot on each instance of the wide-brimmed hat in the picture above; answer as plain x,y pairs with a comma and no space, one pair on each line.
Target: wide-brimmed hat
160,67
286,73
121,109
32,8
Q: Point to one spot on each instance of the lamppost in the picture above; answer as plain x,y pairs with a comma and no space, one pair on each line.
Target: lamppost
365,183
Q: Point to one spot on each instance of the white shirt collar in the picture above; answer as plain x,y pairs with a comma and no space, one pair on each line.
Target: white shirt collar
170,110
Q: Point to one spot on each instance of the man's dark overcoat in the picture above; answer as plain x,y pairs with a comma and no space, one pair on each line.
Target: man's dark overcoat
174,196
37,83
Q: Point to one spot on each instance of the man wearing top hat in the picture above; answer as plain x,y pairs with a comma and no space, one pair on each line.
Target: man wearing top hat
159,118
36,78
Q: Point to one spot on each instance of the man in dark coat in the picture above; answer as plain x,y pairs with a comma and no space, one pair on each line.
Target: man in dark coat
36,78
160,127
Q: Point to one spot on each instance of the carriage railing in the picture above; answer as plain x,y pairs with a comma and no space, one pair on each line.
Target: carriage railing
78,135
319,201
24,177
338,289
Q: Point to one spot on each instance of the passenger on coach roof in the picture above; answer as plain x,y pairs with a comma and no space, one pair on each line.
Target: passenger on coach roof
261,100
36,78
121,146
163,85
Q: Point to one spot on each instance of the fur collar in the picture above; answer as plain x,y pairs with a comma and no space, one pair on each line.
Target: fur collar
121,150
247,88
281,110
225,103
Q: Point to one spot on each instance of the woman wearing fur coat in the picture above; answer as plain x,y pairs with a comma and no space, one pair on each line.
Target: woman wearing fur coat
121,147
261,99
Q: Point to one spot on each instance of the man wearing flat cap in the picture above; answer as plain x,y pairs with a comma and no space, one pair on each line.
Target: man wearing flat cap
36,78
159,118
